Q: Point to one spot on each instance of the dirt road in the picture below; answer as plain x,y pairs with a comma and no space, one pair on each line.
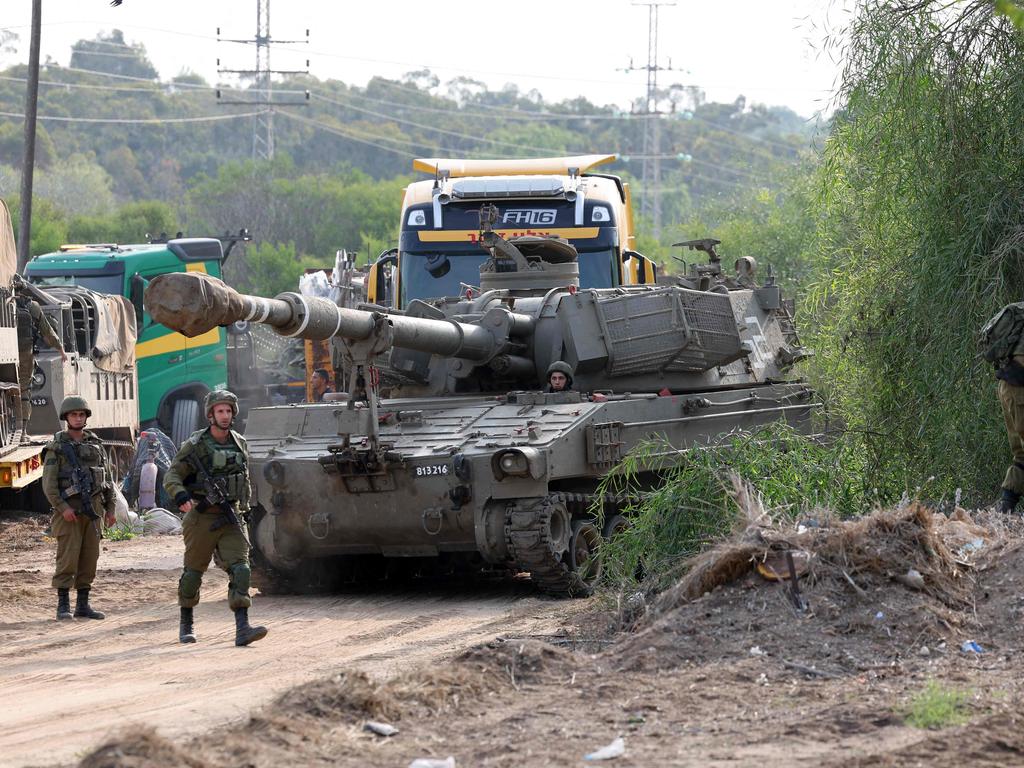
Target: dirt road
67,685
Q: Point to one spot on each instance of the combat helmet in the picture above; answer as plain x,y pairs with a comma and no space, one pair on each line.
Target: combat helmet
74,403
221,396
560,366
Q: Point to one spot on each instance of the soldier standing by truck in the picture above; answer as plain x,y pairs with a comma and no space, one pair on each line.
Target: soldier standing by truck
32,323
77,481
209,481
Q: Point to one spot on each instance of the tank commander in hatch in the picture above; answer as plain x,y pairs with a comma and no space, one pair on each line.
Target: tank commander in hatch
321,384
209,481
78,483
560,380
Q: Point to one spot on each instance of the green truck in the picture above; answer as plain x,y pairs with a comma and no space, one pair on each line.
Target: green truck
175,372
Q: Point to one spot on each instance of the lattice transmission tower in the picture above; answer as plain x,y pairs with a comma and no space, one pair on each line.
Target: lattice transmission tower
261,93
650,199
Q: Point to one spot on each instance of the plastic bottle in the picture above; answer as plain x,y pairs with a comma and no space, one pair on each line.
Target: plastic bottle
147,480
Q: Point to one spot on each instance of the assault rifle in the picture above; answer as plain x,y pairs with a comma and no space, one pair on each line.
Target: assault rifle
81,480
216,494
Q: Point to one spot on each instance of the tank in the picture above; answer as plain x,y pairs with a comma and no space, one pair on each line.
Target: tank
471,460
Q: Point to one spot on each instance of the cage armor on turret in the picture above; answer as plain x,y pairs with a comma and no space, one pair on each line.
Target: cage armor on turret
469,458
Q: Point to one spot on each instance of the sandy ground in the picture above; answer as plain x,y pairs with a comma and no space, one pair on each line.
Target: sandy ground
722,669
74,682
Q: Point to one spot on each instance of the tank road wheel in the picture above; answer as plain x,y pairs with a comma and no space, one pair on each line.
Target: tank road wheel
585,557
615,525
540,540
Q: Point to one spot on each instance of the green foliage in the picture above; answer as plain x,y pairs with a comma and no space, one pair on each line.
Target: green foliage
77,186
1012,11
937,707
268,269
130,223
775,226
111,54
922,233
693,501
120,532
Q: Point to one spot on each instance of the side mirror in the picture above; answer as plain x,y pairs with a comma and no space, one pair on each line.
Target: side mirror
646,270
136,291
377,279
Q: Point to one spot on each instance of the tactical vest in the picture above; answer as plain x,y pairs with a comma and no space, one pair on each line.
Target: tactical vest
1002,335
224,461
26,326
90,457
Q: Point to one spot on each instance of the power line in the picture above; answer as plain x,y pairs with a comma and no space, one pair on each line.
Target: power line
135,121
435,129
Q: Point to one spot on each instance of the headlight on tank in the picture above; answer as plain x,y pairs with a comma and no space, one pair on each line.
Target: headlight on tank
517,462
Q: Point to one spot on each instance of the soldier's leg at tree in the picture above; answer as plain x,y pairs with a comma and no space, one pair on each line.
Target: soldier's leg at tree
69,546
233,552
1011,399
200,543
88,556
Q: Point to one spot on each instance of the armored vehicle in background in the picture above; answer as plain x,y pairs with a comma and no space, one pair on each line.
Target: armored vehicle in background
474,459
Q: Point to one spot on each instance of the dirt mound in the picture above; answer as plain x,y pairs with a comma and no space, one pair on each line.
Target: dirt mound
141,748
520,661
876,589
992,742
19,533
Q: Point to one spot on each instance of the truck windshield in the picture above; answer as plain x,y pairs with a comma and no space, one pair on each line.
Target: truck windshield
597,270
101,283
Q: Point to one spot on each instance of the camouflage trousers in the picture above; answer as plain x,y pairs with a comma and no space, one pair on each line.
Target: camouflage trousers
229,548
1012,400
26,366
78,550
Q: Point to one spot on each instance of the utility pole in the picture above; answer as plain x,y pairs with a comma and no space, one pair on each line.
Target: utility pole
263,84
29,159
650,200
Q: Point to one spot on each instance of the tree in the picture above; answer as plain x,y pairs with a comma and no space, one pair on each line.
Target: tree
921,215
112,55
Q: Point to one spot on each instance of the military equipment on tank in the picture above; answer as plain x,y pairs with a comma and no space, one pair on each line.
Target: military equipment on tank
471,459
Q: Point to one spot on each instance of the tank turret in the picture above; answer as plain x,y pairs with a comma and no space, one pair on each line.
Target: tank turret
472,459
527,313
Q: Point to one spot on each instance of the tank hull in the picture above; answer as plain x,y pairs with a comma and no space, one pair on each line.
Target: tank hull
442,486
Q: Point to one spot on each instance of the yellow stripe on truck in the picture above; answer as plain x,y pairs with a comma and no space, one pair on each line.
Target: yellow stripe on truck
472,235
175,342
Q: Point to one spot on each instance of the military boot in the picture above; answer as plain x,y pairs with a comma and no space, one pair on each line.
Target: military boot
244,634
82,608
186,634
1007,503
63,604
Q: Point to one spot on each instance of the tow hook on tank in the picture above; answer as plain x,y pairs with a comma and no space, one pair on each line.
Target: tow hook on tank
432,519
319,521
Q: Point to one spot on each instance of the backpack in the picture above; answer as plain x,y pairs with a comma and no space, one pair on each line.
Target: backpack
1002,334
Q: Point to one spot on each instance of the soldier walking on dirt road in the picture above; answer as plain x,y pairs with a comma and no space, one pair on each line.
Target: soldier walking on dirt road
78,483
209,481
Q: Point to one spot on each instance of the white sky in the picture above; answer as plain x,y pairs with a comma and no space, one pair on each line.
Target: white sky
769,51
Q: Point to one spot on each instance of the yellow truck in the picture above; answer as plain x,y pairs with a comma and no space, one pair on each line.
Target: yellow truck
438,254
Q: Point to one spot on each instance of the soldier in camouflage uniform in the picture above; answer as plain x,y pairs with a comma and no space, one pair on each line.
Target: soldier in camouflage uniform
75,524
214,460
31,323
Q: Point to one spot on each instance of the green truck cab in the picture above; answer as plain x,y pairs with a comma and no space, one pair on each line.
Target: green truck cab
175,372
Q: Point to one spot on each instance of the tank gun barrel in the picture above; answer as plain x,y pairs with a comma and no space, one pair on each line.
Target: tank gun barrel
194,303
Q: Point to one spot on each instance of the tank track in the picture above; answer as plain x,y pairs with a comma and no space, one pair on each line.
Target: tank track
530,546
